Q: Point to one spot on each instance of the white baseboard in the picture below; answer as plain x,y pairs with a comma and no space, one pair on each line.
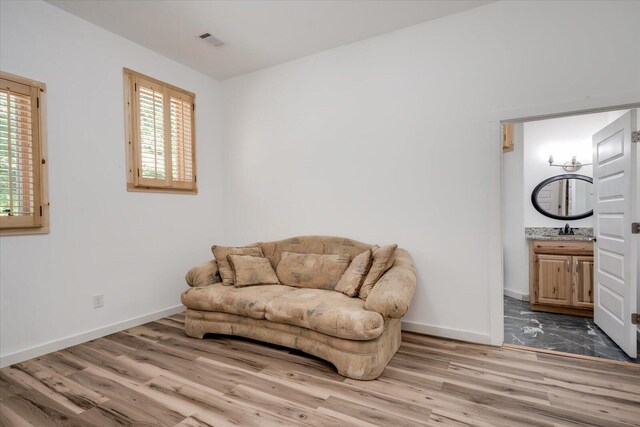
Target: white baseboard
516,294
39,350
454,334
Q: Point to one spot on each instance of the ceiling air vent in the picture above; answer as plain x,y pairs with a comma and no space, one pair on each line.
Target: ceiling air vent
210,38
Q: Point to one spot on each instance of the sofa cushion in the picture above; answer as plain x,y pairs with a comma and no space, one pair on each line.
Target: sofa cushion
252,270
248,301
312,245
222,252
329,312
317,271
350,282
382,261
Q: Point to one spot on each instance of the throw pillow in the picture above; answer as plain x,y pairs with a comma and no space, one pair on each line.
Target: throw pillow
382,261
350,282
252,270
222,252
317,271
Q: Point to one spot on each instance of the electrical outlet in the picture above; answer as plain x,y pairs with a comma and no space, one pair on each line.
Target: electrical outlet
98,301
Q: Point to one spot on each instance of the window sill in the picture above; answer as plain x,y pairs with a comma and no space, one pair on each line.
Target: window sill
24,231
135,189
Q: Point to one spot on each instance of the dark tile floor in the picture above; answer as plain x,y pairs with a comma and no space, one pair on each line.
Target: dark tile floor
558,332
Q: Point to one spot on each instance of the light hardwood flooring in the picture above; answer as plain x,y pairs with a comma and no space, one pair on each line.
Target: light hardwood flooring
155,375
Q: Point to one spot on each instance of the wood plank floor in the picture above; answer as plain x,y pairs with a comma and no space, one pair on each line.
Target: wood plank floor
155,375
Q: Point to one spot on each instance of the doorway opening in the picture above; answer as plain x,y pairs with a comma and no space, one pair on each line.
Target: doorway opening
570,193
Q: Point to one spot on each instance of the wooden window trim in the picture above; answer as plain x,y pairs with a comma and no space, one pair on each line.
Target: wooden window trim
39,139
132,139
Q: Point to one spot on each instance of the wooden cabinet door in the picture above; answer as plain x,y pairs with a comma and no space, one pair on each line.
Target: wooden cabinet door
583,281
554,280
507,137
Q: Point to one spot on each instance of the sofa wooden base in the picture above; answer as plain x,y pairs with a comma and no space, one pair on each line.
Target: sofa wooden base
360,360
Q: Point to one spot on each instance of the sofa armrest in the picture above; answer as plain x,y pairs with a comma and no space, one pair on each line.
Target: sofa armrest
203,274
392,294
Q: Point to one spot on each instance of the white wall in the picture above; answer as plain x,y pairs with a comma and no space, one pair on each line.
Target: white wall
563,137
516,249
385,140
132,247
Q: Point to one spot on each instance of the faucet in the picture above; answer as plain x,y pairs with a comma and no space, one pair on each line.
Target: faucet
567,230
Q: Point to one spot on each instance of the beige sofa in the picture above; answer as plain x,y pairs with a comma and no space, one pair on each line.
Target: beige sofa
358,337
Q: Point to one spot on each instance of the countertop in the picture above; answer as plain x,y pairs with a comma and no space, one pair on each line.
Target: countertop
550,233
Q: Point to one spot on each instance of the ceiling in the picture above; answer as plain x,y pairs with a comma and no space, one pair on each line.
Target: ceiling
256,33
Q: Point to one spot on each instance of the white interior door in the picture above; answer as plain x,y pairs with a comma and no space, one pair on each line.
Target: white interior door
616,248
548,198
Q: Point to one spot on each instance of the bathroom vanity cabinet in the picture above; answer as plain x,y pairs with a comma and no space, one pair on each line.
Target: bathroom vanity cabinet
561,276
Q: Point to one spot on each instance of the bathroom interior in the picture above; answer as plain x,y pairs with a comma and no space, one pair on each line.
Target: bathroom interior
548,236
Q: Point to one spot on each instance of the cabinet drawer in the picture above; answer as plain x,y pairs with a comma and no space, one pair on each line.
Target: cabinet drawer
561,247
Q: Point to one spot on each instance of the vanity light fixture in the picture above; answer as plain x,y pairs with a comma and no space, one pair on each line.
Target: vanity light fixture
570,166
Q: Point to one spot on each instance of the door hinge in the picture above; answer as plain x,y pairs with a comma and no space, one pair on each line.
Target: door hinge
635,136
38,102
135,87
635,228
138,173
40,210
635,318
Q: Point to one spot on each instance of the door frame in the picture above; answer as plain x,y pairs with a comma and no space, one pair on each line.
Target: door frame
494,121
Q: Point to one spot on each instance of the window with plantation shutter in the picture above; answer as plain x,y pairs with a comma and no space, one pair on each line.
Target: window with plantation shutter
23,204
160,136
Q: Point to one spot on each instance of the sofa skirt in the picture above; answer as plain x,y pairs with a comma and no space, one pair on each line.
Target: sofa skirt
360,360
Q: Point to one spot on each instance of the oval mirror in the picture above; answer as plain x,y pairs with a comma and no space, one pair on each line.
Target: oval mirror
564,197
